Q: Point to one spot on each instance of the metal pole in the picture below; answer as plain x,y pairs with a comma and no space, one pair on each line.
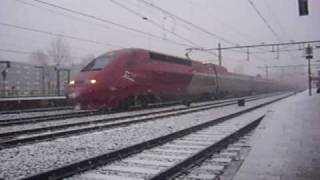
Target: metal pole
282,75
4,78
267,77
68,71
296,79
309,56
4,75
263,45
219,54
267,72
43,83
58,81
3,85
42,79
309,77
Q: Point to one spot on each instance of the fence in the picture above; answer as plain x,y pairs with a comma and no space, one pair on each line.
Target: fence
31,93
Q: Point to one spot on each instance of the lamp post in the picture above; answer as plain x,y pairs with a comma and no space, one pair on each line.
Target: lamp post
309,56
58,80
68,73
219,54
4,75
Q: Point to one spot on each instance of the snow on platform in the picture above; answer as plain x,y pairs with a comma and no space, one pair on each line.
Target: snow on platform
32,98
287,143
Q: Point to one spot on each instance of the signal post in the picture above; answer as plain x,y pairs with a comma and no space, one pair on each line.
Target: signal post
309,56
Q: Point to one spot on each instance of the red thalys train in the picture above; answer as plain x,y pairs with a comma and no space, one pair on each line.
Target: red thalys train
127,77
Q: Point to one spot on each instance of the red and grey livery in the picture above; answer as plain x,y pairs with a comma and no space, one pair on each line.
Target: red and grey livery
136,76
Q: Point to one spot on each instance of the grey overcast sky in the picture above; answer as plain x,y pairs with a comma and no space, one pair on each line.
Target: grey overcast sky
235,21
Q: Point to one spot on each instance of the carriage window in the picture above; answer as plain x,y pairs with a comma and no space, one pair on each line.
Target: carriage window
98,64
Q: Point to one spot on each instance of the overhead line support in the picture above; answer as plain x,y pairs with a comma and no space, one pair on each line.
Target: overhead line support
219,54
263,45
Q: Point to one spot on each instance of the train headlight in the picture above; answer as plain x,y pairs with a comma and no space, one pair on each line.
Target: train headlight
93,81
72,82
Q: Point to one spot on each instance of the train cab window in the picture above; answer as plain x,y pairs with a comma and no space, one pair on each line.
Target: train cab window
98,64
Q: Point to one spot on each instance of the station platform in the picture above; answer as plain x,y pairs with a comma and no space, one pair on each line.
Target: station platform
16,103
32,98
286,145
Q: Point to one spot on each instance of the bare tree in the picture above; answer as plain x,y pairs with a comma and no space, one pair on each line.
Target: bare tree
59,52
39,57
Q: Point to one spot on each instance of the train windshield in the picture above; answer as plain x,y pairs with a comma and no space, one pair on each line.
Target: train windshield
98,64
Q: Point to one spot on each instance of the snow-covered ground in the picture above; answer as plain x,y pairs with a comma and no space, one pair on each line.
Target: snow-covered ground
78,119
34,114
31,159
92,118
137,167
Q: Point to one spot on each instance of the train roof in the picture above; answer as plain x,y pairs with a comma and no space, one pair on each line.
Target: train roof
193,62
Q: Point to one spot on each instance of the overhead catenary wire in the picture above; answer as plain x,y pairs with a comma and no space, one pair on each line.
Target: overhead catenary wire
23,40
111,23
228,27
265,45
58,13
268,51
151,21
27,52
293,66
61,14
279,25
271,12
280,50
264,20
155,24
57,34
268,26
217,37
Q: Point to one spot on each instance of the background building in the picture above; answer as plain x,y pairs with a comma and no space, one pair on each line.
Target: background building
22,79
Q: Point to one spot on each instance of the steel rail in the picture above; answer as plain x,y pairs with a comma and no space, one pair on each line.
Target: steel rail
34,139
99,121
47,118
187,164
35,119
18,111
100,160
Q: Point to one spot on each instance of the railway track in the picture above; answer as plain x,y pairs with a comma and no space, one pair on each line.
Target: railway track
77,114
46,118
165,157
17,138
172,159
219,165
36,110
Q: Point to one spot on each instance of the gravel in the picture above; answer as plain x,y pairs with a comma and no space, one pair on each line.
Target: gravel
85,119
34,114
30,159
76,120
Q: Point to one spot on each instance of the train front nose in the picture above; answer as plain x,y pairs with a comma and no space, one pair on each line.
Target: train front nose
74,94
83,92
89,87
